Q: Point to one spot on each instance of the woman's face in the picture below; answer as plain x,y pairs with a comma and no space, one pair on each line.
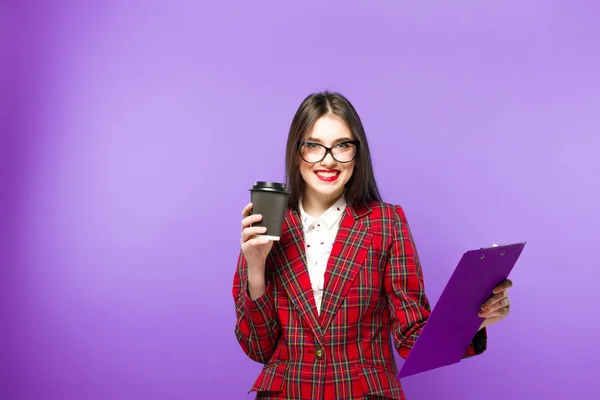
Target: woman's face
325,180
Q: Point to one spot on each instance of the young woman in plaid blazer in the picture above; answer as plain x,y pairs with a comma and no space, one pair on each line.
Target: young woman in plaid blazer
318,306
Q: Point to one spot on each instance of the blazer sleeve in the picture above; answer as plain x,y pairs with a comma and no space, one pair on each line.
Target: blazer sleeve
257,327
405,291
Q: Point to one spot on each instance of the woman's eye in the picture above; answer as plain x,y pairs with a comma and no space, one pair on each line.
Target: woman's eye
311,145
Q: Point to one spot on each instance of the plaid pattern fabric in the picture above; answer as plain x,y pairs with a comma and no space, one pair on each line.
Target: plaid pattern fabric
373,287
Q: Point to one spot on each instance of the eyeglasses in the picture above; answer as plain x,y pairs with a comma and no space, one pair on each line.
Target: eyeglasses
343,152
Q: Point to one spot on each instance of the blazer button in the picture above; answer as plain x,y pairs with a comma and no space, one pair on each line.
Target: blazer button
319,353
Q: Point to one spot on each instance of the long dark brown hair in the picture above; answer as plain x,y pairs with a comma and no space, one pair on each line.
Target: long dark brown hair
361,188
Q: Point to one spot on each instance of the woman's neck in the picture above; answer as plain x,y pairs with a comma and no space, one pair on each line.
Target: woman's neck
315,205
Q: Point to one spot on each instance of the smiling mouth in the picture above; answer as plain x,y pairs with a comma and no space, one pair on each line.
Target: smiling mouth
328,176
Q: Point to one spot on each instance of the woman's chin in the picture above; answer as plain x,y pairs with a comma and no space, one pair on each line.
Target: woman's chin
328,192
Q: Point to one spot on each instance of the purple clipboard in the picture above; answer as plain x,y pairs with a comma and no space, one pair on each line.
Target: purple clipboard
454,322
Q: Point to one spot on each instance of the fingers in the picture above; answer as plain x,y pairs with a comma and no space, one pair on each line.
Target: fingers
505,285
499,306
496,306
492,300
256,242
499,314
246,210
248,233
500,292
249,219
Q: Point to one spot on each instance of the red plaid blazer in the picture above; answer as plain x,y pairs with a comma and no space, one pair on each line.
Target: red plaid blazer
373,288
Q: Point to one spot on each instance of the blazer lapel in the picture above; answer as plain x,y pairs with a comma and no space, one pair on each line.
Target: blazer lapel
294,275
347,256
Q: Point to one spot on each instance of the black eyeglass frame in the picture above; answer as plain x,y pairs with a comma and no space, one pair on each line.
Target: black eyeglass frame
356,143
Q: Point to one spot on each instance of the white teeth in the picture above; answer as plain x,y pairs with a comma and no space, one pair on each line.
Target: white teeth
327,174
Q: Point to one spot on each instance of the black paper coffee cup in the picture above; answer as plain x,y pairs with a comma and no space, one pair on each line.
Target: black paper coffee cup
269,199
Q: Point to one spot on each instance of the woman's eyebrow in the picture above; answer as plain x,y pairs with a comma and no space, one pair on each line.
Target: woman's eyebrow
338,140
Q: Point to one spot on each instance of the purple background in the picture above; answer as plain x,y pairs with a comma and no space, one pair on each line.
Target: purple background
132,133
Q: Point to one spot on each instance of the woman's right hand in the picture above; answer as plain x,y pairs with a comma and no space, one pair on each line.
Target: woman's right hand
255,249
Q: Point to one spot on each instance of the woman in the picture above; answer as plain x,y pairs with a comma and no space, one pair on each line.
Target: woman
318,306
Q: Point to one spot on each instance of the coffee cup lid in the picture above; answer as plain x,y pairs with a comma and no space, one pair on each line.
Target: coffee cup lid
270,187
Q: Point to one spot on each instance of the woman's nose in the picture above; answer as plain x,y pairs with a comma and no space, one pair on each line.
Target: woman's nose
328,160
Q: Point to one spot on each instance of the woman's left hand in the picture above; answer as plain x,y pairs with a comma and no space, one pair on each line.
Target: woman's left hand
497,306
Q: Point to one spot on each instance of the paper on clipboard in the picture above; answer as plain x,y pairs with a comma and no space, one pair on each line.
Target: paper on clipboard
454,322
